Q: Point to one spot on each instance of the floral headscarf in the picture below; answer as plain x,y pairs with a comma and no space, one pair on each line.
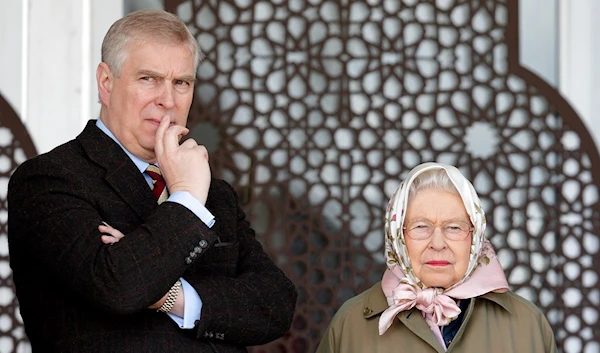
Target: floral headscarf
400,285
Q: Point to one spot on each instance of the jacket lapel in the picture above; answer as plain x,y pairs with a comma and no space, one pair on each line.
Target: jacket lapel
121,173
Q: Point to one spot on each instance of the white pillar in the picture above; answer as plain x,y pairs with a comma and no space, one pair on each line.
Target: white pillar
54,71
11,33
63,47
538,38
579,79
104,14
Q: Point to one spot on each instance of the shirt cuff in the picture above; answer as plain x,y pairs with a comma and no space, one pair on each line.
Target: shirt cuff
192,308
186,199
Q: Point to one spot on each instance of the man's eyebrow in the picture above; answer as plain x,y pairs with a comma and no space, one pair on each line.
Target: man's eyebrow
186,78
145,72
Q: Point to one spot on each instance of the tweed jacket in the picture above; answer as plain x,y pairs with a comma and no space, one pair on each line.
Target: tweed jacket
493,322
77,294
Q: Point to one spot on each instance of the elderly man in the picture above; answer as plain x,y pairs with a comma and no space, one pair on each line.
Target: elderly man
120,240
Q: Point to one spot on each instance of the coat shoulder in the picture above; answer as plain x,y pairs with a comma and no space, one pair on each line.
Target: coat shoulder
515,304
521,304
352,312
511,316
54,160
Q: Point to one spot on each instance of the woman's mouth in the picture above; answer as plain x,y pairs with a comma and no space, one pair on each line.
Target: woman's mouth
437,263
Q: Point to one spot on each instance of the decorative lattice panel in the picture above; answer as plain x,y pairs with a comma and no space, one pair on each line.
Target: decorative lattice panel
315,110
15,147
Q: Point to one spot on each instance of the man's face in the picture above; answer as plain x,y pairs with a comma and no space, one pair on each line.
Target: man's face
156,80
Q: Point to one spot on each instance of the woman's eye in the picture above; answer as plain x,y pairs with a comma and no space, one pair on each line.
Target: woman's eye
421,227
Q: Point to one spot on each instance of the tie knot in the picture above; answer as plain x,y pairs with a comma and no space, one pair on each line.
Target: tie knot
154,173
159,189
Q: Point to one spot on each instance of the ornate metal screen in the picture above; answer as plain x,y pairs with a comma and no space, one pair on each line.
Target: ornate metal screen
15,147
315,110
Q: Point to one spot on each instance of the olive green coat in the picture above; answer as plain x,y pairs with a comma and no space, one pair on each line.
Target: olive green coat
493,323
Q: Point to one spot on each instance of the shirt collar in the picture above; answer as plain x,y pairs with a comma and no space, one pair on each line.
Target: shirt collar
140,164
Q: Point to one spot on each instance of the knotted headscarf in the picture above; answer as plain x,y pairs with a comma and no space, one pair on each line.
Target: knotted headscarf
404,290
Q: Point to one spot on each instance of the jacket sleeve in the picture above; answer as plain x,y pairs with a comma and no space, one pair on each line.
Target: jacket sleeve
548,335
328,343
53,227
256,305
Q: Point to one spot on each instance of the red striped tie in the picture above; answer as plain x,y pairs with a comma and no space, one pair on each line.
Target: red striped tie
159,189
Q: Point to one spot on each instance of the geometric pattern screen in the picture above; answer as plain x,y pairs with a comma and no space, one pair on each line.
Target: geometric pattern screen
316,110
15,147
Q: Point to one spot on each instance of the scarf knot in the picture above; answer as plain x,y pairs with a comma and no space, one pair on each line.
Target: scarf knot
437,308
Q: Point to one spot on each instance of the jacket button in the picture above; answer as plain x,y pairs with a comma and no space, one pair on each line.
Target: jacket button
367,311
203,243
188,261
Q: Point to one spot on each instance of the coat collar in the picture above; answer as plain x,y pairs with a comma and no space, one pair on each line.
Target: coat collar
121,173
376,302
498,298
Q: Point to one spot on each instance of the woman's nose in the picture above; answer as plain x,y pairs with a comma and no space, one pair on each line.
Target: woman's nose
438,241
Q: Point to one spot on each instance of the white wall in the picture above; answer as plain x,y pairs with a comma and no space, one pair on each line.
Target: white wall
49,53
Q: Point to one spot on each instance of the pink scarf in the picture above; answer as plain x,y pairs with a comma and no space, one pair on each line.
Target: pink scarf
484,273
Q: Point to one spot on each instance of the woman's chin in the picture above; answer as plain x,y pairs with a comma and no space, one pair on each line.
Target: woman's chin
438,281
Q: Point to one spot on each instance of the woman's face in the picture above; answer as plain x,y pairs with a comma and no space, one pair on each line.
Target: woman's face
437,261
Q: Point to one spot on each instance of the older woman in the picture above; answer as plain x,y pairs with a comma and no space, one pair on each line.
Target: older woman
444,289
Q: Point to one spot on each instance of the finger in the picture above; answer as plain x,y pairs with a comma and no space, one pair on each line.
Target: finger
110,230
160,133
113,233
172,136
204,151
190,143
180,136
107,239
193,144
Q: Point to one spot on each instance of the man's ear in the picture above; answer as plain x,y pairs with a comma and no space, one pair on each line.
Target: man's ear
105,80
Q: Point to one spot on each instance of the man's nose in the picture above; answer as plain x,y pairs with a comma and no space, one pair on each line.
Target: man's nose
166,97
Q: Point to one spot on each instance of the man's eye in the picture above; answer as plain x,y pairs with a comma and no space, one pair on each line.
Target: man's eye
181,83
146,78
